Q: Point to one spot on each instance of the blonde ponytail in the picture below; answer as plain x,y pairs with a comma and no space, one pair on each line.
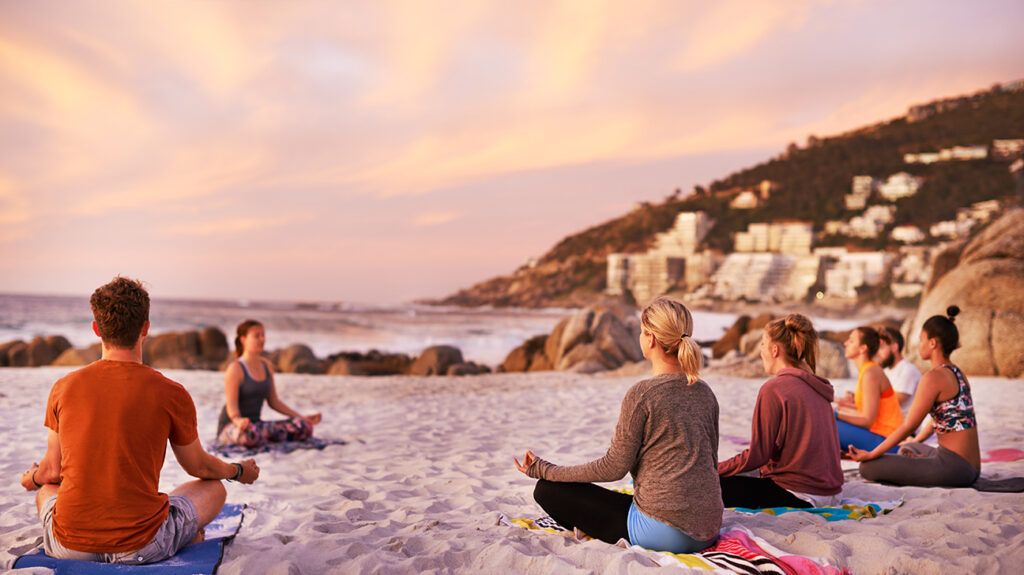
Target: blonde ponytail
672,326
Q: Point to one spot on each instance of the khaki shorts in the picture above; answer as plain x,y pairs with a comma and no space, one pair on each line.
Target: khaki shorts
178,530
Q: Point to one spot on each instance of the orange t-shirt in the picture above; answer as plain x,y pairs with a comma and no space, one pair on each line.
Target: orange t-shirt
114,419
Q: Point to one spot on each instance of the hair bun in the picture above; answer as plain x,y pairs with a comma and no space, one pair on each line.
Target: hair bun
951,312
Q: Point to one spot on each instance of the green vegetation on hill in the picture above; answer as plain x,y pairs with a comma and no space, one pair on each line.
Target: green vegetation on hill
811,182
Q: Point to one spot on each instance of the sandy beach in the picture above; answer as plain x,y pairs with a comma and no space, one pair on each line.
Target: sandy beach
428,468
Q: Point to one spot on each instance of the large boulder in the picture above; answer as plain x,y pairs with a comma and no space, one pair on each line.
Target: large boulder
5,349
614,337
541,363
730,340
213,345
575,331
553,342
18,354
831,360
43,350
590,340
760,321
524,357
79,356
587,358
174,350
371,363
988,285
467,368
299,358
736,364
750,343
436,360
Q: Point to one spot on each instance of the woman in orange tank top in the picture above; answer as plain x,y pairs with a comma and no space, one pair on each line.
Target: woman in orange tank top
875,412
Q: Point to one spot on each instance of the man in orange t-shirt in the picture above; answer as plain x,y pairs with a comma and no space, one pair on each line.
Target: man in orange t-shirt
109,424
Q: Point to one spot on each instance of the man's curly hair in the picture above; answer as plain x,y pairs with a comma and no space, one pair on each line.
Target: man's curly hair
120,308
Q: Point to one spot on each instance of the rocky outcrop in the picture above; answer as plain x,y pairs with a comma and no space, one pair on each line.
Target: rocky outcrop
589,341
746,361
43,350
40,351
831,360
186,350
371,363
436,360
14,354
750,343
987,284
298,358
730,340
213,344
79,356
527,356
467,368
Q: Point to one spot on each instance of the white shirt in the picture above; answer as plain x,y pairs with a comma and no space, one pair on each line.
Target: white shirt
904,377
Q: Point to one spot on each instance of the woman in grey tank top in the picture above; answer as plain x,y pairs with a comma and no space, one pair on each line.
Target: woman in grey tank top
247,384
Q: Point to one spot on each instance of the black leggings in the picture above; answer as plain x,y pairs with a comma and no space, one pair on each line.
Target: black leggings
756,493
596,511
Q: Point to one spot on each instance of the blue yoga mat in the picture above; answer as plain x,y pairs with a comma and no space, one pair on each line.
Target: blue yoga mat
201,558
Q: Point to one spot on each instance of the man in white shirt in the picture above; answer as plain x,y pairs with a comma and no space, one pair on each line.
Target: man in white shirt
903,375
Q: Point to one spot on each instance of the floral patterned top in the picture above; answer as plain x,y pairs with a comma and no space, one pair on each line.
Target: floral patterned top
956,413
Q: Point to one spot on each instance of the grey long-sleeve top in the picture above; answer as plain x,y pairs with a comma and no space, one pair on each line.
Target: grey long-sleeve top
667,437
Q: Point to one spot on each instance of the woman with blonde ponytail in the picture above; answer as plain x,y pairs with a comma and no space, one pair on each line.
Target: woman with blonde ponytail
667,437
793,440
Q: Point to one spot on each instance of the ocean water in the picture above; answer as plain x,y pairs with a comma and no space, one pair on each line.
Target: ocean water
484,335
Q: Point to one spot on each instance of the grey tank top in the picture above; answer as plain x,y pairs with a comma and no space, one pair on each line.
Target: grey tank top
251,395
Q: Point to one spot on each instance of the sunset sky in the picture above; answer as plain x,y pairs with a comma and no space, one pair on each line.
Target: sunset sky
384,151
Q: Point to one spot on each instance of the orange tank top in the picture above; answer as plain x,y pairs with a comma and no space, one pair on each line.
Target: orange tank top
889,414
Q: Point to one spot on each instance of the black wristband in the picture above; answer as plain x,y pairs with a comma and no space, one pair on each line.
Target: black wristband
34,482
238,472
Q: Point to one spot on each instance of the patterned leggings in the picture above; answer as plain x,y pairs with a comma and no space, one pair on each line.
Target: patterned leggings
259,433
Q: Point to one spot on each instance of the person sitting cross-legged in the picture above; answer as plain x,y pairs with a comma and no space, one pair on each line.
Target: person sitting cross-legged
109,423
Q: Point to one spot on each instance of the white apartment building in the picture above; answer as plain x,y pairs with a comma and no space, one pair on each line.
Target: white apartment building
860,189
871,223
979,211
1007,149
835,228
852,270
907,234
617,282
921,158
951,229
795,238
899,185
911,271
963,153
685,236
745,200
673,259
765,277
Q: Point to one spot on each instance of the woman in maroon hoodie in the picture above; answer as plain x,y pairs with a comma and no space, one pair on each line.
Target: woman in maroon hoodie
793,444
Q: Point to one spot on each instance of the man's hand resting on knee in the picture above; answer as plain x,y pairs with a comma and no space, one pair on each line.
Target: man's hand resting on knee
200,464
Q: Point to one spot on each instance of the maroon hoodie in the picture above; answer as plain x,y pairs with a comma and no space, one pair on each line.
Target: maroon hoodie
793,436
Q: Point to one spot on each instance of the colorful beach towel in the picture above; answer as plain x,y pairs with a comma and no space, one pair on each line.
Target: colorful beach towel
855,509
738,550
849,508
199,559
317,443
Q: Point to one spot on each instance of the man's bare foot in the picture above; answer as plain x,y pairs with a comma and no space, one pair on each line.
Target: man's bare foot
199,538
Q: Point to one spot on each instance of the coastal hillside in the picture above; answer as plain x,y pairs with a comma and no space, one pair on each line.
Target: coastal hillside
809,183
